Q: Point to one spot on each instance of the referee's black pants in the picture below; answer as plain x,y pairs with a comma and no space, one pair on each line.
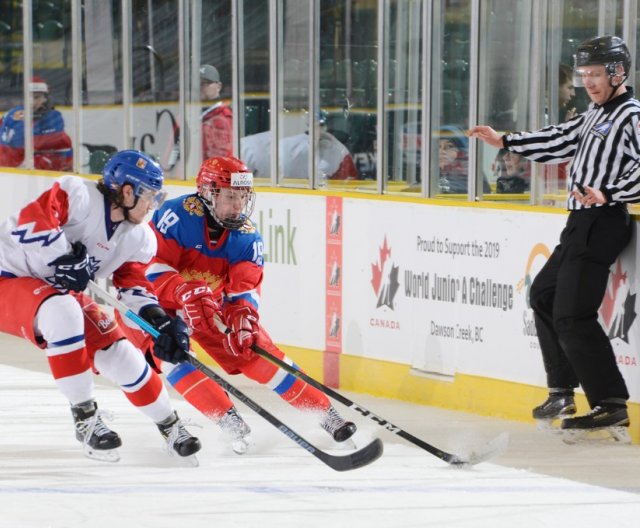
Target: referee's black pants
565,297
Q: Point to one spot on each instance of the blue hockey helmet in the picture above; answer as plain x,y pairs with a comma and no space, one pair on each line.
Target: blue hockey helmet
138,170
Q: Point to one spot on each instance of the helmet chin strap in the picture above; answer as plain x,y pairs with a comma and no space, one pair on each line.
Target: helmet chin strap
615,87
125,209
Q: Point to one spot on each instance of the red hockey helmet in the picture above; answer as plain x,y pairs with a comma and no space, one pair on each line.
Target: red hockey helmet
230,173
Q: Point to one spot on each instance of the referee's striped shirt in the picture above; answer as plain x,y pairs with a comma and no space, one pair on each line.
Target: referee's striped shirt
603,142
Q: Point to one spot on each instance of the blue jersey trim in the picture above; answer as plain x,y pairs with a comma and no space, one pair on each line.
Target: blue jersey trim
285,384
179,372
65,342
144,373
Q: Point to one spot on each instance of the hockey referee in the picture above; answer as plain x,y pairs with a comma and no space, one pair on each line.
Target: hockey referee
604,146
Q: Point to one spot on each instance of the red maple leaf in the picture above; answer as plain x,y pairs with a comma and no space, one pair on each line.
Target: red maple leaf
608,302
376,269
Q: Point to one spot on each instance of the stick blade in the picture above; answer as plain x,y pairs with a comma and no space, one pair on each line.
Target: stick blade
360,458
492,449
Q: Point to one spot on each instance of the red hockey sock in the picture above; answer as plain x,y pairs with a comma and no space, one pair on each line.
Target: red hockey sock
305,397
200,391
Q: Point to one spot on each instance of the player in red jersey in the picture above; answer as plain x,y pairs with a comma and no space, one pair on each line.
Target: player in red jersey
210,261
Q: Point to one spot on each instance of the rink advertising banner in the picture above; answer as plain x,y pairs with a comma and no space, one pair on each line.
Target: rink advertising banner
333,290
293,290
446,290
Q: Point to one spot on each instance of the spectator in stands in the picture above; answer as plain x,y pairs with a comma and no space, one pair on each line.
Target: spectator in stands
365,161
334,159
555,176
51,144
453,162
517,173
217,119
566,93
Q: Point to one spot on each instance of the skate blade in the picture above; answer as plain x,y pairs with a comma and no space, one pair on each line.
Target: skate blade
552,425
241,446
549,426
616,433
186,461
190,461
348,444
103,455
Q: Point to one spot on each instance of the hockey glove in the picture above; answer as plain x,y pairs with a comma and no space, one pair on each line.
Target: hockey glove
242,322
73,271
198,305
172,344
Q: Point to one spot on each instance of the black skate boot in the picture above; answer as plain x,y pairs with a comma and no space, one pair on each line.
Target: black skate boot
560,404
337,426
179,440
237,430
610,418
99,442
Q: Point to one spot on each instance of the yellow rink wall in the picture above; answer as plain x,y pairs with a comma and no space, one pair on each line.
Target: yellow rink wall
478,395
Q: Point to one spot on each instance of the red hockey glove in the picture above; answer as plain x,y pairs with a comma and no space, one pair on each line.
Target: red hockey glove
242,322
198,305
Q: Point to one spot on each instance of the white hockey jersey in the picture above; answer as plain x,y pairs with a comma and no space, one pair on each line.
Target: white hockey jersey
73,210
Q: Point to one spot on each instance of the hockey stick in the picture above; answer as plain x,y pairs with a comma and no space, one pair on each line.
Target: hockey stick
495,447
355,460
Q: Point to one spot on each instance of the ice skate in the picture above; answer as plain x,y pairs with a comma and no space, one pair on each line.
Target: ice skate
559,405
339,429
237,430
604,422
179,441
98,441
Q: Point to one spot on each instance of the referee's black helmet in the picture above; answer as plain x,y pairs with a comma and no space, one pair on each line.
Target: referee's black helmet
607,50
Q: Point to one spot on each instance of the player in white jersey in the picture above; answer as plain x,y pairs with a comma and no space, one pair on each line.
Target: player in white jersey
75,231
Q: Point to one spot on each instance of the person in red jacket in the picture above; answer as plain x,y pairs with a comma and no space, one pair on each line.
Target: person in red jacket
51,144
217,119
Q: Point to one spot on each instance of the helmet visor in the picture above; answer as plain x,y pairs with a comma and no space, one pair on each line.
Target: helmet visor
589,72
152,196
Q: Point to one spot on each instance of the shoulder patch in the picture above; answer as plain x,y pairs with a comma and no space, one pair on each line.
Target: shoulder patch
602,129
193,206
248,226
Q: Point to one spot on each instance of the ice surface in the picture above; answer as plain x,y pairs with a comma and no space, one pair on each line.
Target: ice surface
46,482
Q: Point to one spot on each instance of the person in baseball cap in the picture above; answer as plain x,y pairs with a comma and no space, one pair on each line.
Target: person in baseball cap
217,119
210,84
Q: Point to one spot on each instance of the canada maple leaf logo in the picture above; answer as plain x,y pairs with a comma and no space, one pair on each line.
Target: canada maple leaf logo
385,286
618,305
